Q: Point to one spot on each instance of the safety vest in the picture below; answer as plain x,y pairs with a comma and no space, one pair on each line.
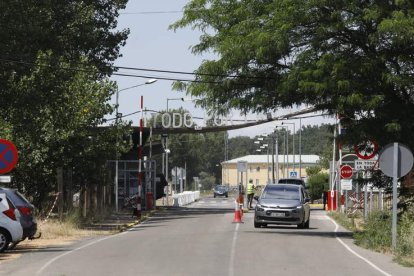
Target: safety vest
250,188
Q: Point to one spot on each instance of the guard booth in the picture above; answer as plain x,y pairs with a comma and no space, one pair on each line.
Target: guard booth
152,184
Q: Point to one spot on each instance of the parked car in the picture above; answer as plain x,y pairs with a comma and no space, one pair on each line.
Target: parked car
282,204
221,190
10,227
294,181
26,209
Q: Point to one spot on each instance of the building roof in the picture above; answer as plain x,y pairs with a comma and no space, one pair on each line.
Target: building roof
262,158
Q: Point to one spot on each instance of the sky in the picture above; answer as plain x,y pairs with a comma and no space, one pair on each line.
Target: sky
151,45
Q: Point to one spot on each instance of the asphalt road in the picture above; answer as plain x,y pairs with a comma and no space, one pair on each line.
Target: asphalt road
202,240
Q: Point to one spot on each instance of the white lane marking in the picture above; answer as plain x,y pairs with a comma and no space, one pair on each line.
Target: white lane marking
39,272
233,250
356,254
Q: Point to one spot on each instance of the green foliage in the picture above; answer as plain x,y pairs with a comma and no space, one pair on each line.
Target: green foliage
315,139
56,56
318,183
350,57
311,171
405,246
343,220
207,181
241,146
377,232
377,235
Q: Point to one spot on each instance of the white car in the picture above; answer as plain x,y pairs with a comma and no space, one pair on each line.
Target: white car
10,228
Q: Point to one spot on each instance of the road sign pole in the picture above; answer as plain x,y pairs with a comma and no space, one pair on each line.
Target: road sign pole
365,200
394,197
395,160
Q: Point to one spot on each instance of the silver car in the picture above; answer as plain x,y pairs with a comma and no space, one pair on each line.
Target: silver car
282,204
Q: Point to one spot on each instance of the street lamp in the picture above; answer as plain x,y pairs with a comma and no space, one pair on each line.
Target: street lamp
293,137
166,142
150,81
262,147
286,151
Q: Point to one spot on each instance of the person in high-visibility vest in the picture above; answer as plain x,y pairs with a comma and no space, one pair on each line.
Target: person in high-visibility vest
250,193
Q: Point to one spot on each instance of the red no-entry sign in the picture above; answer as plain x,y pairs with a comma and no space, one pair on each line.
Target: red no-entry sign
346,171
366,150
8,156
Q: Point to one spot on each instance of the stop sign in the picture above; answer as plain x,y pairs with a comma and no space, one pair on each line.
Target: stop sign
346,171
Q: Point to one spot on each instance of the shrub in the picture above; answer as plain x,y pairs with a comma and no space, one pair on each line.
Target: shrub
377,232
405,242
318,183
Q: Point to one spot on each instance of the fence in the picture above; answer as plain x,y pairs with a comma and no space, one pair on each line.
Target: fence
376,200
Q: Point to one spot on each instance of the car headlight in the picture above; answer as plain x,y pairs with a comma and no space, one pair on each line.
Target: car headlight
259,208
299,207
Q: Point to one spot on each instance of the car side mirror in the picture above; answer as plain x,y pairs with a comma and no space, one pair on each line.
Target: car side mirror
256,197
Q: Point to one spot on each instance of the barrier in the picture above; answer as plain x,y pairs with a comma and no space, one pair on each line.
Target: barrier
185,198
150,200
332,199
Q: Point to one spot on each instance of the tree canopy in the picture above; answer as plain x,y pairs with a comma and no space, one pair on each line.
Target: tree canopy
55,60
354,58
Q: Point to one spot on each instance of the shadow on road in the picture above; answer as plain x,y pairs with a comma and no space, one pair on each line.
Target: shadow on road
312,232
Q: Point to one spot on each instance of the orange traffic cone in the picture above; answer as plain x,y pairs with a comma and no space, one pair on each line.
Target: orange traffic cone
241,210
237,215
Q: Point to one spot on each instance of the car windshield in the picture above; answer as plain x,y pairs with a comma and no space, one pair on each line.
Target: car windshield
220,188
281,192
291,181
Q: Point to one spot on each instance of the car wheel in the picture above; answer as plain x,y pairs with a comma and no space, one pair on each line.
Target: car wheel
301,225
227,195
12,245
4,240
306,226
214,195
257,225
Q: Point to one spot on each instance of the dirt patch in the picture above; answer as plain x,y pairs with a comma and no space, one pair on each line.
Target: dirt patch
54,234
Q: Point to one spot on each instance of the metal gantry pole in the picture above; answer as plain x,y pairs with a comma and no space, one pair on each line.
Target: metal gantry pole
277,157
139,196
287,153
293,149
300,147
293,144
116,152
394,197
333,169
273,161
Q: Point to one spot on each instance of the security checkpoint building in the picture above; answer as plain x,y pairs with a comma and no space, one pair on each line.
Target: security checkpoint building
259,168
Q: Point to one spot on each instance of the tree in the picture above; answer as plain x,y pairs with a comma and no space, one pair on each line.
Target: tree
56,57
348,57
207,181
318,183
240,146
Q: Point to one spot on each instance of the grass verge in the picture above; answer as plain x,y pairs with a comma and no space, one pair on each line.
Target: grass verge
375,233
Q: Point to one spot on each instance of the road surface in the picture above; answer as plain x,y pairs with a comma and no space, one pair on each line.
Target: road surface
202,240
